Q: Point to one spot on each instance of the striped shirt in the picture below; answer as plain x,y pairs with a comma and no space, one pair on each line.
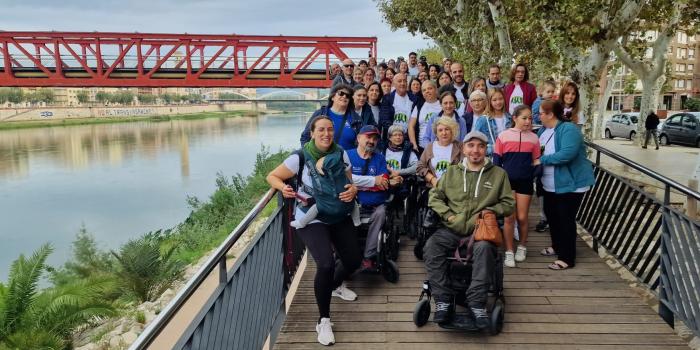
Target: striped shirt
515,151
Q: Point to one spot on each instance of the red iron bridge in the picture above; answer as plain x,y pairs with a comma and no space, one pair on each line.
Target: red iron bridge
62,59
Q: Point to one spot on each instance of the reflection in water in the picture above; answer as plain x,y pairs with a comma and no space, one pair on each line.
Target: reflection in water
120,180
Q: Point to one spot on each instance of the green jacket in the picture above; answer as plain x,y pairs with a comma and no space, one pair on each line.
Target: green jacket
464,193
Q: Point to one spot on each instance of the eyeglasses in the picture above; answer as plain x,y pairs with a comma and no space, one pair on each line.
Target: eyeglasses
477,100
349,65
343,94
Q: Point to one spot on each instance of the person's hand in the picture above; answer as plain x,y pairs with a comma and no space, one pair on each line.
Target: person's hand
434,181
536,162
415,148
537,171
288,192
349,194
451,218
397,180
381,182
394,173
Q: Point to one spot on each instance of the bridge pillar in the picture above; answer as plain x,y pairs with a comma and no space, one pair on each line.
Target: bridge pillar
255,106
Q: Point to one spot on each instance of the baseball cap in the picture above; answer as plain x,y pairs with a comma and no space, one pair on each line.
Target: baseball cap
476,135
370,130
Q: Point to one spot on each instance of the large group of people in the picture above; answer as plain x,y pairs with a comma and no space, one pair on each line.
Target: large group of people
472,142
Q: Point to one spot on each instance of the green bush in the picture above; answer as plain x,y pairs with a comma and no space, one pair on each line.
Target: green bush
144,272
693,104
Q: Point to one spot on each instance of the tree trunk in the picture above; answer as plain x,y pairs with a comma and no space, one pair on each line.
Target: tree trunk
603,105
500,25
586,75
651,89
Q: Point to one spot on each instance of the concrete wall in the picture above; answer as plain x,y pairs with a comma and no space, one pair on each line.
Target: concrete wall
48,113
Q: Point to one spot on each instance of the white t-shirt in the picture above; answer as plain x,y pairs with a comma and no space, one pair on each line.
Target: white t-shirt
547,140
413,71
442,157
393,159
428,110
500,125
516,99
292,163
461,105
402,110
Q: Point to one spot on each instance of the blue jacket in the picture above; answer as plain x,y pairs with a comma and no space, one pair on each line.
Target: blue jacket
374,166
366,115
347,139
572,169
484,123
536,111
429,137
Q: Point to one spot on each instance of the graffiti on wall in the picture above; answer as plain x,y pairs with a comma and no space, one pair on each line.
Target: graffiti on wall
125,112
46,114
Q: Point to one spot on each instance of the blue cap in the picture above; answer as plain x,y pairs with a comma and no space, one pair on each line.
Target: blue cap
369,130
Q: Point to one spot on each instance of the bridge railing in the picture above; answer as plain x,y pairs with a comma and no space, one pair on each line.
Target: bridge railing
247,304
657,243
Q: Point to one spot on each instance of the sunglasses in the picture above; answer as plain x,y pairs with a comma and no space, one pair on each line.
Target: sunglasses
349,65
343,94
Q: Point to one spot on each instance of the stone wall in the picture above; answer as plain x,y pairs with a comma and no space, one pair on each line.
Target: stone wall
58,113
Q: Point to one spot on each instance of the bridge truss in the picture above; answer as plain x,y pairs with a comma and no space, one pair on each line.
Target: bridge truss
55,59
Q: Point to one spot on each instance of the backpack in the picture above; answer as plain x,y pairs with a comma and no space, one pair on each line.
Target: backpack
326,187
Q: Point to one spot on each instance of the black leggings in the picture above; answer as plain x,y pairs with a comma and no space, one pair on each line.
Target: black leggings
561,209
321,240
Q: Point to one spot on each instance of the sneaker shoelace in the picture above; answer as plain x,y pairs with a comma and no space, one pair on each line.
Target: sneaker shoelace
441,306
479,313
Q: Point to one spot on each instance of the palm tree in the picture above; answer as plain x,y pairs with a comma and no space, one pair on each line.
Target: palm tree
31,318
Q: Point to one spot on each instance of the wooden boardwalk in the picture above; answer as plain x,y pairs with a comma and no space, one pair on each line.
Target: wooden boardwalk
587,307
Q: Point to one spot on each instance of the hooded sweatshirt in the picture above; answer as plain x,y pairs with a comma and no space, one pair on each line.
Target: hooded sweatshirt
464,193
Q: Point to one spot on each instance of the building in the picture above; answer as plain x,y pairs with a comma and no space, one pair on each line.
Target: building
684,63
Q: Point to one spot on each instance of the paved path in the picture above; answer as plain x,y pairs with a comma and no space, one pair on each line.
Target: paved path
587,307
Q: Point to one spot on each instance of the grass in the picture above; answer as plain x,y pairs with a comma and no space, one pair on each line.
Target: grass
109,120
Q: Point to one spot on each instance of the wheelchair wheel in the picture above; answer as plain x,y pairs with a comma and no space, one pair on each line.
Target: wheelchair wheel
390,271
497,317
421,313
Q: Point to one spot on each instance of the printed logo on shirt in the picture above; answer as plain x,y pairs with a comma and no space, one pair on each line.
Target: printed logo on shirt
371,170
488,185
428,116
459,104
393,164
400,118
516,100
442,166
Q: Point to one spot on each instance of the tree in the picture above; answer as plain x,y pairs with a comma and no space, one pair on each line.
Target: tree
146,98
83,96
432,54
693,104
33,319
102,97
647,57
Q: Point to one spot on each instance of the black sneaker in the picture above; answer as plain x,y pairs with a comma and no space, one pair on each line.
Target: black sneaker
481,317
444,309
542,226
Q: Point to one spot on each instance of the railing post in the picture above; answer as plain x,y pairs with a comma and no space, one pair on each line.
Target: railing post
691,205
223,274
667,194
597,157
665,313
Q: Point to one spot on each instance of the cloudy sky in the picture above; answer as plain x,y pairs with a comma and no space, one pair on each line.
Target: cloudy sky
262,17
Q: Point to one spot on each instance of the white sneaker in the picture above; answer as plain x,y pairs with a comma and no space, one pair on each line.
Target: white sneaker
520,253
344,293
325,332
509,261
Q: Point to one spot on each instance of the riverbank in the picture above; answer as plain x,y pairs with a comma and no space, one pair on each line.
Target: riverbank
128,286
27,124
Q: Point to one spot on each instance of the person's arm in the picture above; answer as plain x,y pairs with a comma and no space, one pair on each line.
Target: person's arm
278,176
570,147
423,166
412,166
412,129
498,152
506,202
437,200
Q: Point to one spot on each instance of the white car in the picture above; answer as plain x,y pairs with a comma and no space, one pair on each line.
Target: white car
622,125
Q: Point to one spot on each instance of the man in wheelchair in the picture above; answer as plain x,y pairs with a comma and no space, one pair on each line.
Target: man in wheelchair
465,190
370,175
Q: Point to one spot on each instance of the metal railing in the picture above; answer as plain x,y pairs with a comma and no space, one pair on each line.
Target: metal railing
657,243
247,304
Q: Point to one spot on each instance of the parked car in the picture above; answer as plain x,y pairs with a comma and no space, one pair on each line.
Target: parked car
622,125
681,128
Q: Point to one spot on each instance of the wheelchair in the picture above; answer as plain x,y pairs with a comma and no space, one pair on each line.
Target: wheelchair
403,207
459,272
388,240
422,233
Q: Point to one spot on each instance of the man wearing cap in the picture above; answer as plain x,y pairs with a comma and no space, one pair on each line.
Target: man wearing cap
463,191
346,76
370,175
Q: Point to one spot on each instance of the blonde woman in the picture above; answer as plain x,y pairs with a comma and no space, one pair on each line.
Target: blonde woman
438,155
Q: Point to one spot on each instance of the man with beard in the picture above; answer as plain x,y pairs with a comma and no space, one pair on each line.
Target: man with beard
466,189
370,175
461,87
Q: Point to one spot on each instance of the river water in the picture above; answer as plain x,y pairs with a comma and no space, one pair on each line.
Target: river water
120,180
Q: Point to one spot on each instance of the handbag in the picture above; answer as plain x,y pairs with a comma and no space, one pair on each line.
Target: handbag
487,228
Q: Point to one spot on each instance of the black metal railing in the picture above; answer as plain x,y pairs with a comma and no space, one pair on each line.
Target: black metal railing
247,305
657,243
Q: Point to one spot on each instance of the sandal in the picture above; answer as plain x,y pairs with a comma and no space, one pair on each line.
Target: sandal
549,251
558,265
